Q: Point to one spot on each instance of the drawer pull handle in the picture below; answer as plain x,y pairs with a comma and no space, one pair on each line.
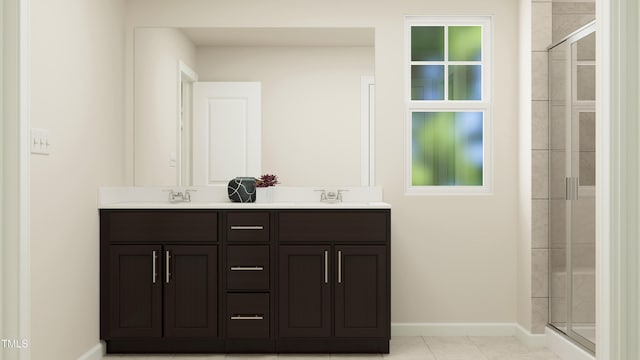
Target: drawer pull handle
247,268
247,317
250,227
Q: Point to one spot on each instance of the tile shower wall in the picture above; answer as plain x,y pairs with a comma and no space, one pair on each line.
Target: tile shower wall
542,32
568,16
551,21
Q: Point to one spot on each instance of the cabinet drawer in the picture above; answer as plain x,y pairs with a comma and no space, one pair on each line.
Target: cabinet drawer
248,315
333,226
160,226
248,226
248,267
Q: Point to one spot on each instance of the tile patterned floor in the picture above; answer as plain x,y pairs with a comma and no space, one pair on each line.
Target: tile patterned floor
402,348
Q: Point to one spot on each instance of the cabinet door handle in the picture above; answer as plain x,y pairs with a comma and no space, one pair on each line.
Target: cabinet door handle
247,317
247,268
155,274
326,267
339,267
249,227
167,261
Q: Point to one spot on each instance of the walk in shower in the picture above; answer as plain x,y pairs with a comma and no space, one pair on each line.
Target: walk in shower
572,284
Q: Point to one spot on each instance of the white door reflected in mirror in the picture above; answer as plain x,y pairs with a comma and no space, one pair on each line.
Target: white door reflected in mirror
226,131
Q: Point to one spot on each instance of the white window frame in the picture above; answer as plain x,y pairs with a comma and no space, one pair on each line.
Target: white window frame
484,105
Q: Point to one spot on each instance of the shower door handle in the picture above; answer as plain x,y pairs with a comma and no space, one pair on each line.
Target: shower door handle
571,188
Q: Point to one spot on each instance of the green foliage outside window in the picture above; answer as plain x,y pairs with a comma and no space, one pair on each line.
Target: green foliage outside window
447,146
431,69
465,43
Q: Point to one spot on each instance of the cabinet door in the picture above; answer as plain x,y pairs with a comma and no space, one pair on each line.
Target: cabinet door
135,291
191,291
305,292
361,293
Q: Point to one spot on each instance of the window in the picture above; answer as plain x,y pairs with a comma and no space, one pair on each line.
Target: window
448,105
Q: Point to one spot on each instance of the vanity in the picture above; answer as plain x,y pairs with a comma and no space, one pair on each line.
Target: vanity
292,275
242,278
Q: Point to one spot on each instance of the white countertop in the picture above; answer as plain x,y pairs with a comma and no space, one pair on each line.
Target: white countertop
216,197
231,205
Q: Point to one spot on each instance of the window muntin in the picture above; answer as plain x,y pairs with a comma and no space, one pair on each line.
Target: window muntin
448,106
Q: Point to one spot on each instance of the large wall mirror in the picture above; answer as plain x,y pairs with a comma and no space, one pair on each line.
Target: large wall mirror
315,104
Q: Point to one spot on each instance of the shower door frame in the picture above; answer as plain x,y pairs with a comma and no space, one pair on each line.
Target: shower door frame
573,108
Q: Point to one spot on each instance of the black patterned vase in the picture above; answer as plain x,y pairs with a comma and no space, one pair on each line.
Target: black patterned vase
242,189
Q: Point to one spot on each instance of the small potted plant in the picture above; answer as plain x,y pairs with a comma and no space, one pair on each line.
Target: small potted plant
263,193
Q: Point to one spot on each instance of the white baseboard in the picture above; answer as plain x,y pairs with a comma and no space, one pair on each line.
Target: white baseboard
564,348
529,339
469,329
453,329
95,353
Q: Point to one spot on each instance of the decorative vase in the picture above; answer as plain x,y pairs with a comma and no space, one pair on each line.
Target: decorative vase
263,194
242,189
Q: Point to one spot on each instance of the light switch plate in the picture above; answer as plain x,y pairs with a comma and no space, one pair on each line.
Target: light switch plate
40,141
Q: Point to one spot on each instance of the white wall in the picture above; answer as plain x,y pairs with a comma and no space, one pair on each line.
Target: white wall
524,168
77,94
453,257
618,204
156,92
3,190
9,243
310,106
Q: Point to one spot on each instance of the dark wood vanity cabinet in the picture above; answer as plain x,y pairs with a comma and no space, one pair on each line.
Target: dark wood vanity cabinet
134,302
190,291
361,292
143,278
248,284
358,277
245,280
333,276
159,278
304,307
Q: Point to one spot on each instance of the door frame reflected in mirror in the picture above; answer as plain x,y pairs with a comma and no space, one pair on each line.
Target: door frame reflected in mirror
186,78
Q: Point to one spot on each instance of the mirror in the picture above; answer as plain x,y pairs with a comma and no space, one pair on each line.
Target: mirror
316,100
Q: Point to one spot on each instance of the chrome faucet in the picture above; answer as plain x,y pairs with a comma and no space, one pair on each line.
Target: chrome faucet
180,196
187,194
331,197
339,196
323,195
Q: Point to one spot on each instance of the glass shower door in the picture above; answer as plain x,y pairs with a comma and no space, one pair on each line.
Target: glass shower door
572,185
559,173
583,204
